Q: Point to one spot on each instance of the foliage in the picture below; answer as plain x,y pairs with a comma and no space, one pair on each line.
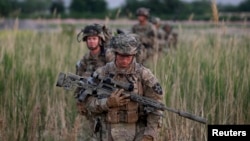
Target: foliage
89,7
165,9
7,7
57,7
244,6
208,75
169,9
31,6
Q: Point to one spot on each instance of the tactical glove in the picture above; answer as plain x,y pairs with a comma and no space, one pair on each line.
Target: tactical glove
116,99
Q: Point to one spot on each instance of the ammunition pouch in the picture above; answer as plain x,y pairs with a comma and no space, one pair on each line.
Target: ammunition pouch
124,114
115,116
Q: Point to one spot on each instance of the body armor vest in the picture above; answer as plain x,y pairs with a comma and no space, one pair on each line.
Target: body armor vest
128,113
89,64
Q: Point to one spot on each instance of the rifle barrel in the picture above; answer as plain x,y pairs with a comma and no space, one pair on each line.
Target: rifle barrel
187,115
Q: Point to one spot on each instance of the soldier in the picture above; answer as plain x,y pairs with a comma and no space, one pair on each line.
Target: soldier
170,36
139,56
156,21
98,54
146,32
120,119
96,38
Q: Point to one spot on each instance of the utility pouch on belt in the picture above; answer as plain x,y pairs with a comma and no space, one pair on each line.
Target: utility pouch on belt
115,116
125,114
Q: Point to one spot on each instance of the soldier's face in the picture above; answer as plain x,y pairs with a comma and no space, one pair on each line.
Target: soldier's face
141,18
123,61
93,42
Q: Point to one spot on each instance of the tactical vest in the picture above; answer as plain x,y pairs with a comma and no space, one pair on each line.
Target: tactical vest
144,31
128,113
90,63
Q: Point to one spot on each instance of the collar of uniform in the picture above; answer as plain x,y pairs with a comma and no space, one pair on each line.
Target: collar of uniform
130,70
95,55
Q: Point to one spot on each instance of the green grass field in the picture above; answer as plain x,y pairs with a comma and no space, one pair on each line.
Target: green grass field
208,75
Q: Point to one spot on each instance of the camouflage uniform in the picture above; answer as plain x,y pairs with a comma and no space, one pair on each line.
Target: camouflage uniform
128,122
147,34
89,63
170,36
140,55
160,33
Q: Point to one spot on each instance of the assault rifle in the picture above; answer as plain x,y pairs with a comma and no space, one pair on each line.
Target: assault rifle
107,85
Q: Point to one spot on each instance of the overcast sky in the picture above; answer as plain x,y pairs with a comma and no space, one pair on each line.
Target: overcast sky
117,3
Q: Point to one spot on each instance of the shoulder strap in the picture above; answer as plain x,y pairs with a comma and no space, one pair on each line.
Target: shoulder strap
103,51
138,71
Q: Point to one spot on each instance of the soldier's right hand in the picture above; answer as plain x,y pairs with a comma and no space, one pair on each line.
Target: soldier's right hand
116,99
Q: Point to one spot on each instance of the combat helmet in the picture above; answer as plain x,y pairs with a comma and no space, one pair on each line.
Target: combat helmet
125,44
142,11
91,30
155,20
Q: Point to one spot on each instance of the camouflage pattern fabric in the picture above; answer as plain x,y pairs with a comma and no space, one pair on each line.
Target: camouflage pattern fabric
89,63
156,21
145,84
148,37
172,40
141,54
171,37
142,11
103,32
86,66
126,44
161,39
133,48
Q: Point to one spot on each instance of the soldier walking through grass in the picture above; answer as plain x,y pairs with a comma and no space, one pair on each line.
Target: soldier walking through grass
119,118
156,21
171,37
96,38
147,33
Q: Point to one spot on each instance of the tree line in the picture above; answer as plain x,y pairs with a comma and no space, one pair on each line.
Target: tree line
165,9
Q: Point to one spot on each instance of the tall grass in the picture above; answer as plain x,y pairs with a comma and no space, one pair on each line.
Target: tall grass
208,75
215,11
31,106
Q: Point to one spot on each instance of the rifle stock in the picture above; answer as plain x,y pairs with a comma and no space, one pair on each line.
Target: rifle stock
105,88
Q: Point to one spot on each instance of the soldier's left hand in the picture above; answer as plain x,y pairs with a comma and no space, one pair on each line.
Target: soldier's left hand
116,99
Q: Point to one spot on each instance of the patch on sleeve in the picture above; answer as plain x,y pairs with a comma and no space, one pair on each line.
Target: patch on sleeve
157,88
